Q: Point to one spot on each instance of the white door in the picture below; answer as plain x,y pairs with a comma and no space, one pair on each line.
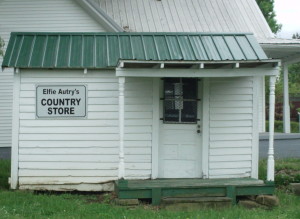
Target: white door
180,129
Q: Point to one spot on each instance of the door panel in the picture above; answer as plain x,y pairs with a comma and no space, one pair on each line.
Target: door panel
180,148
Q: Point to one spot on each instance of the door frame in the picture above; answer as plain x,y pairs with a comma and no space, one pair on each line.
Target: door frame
204,122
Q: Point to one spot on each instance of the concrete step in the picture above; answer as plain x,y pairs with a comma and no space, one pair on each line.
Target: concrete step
195,203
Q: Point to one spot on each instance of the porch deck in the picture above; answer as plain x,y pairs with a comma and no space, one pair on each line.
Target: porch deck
162,188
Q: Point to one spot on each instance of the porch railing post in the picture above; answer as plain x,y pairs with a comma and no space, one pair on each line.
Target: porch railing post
121,173
286,101
271,162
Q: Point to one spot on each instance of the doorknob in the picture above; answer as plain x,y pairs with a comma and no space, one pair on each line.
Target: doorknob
198,129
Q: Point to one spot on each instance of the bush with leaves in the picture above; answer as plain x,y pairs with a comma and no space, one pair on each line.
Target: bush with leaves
1,47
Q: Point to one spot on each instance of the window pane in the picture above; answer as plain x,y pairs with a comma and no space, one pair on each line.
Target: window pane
169,87
189,88
189,112
171,113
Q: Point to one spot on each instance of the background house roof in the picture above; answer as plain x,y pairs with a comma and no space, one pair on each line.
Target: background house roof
288,50
104,50
233,16
187,16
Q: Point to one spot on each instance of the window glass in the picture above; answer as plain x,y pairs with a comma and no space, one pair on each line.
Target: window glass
180,100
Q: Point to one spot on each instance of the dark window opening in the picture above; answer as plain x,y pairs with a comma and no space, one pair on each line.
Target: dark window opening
180,100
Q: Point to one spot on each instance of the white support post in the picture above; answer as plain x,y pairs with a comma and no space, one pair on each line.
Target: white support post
286,101
121,173
155,127
271,162
14,177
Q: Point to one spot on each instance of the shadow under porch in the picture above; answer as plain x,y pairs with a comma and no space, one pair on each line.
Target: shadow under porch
159,189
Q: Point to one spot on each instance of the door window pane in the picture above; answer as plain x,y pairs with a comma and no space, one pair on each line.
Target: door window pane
180,100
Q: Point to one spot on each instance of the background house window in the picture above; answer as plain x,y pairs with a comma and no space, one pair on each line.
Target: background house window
180,100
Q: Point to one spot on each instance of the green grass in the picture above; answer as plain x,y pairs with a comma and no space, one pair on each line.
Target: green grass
20,204
25,204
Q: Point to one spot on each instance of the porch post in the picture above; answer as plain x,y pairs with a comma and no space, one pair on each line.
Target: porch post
271,162
286,101
121,173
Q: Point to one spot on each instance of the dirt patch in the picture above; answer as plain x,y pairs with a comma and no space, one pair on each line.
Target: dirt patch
288,172
104,197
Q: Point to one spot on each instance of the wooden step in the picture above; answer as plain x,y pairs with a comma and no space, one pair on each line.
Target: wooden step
194,203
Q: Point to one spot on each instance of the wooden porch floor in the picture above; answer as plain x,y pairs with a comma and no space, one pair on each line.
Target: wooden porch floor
161,188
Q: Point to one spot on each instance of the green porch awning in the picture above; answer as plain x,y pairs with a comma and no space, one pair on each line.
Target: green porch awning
104,50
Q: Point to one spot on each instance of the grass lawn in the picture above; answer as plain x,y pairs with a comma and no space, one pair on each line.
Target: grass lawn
25,204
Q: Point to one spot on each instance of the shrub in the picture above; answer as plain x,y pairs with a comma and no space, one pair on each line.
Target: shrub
278,126
4,173
286,171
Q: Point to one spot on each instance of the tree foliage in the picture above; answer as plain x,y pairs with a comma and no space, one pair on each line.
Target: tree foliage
267,8
296,36
1,47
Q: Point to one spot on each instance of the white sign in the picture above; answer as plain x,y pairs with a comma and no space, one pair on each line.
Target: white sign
59,101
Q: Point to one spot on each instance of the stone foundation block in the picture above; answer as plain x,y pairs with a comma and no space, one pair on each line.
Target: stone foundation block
295,188
250,204
268,200
195,203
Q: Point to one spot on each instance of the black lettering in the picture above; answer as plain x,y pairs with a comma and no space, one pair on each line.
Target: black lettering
67,110
72,111
55,110
60,110
67,102
49,111
55,102
61,102
49,102
43,102
73,102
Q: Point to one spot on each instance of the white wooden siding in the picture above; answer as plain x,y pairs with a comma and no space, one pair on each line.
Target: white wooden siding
6,97
54,152
231,136
35,16
138,127
188,16
85,150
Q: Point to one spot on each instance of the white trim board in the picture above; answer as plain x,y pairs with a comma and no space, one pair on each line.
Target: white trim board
15,133
205,128
99,15
142,72
255,138
155,128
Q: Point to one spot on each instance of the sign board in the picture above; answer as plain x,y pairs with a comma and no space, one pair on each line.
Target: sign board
61,101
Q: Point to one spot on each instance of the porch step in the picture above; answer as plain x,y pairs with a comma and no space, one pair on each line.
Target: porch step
194,203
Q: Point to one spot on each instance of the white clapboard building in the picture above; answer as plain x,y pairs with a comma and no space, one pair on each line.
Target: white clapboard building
109,94
142,16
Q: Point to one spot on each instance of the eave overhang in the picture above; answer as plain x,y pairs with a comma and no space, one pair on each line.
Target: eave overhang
226,64
288,50
197,69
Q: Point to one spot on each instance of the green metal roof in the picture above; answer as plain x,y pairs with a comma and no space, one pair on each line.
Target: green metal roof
104,50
